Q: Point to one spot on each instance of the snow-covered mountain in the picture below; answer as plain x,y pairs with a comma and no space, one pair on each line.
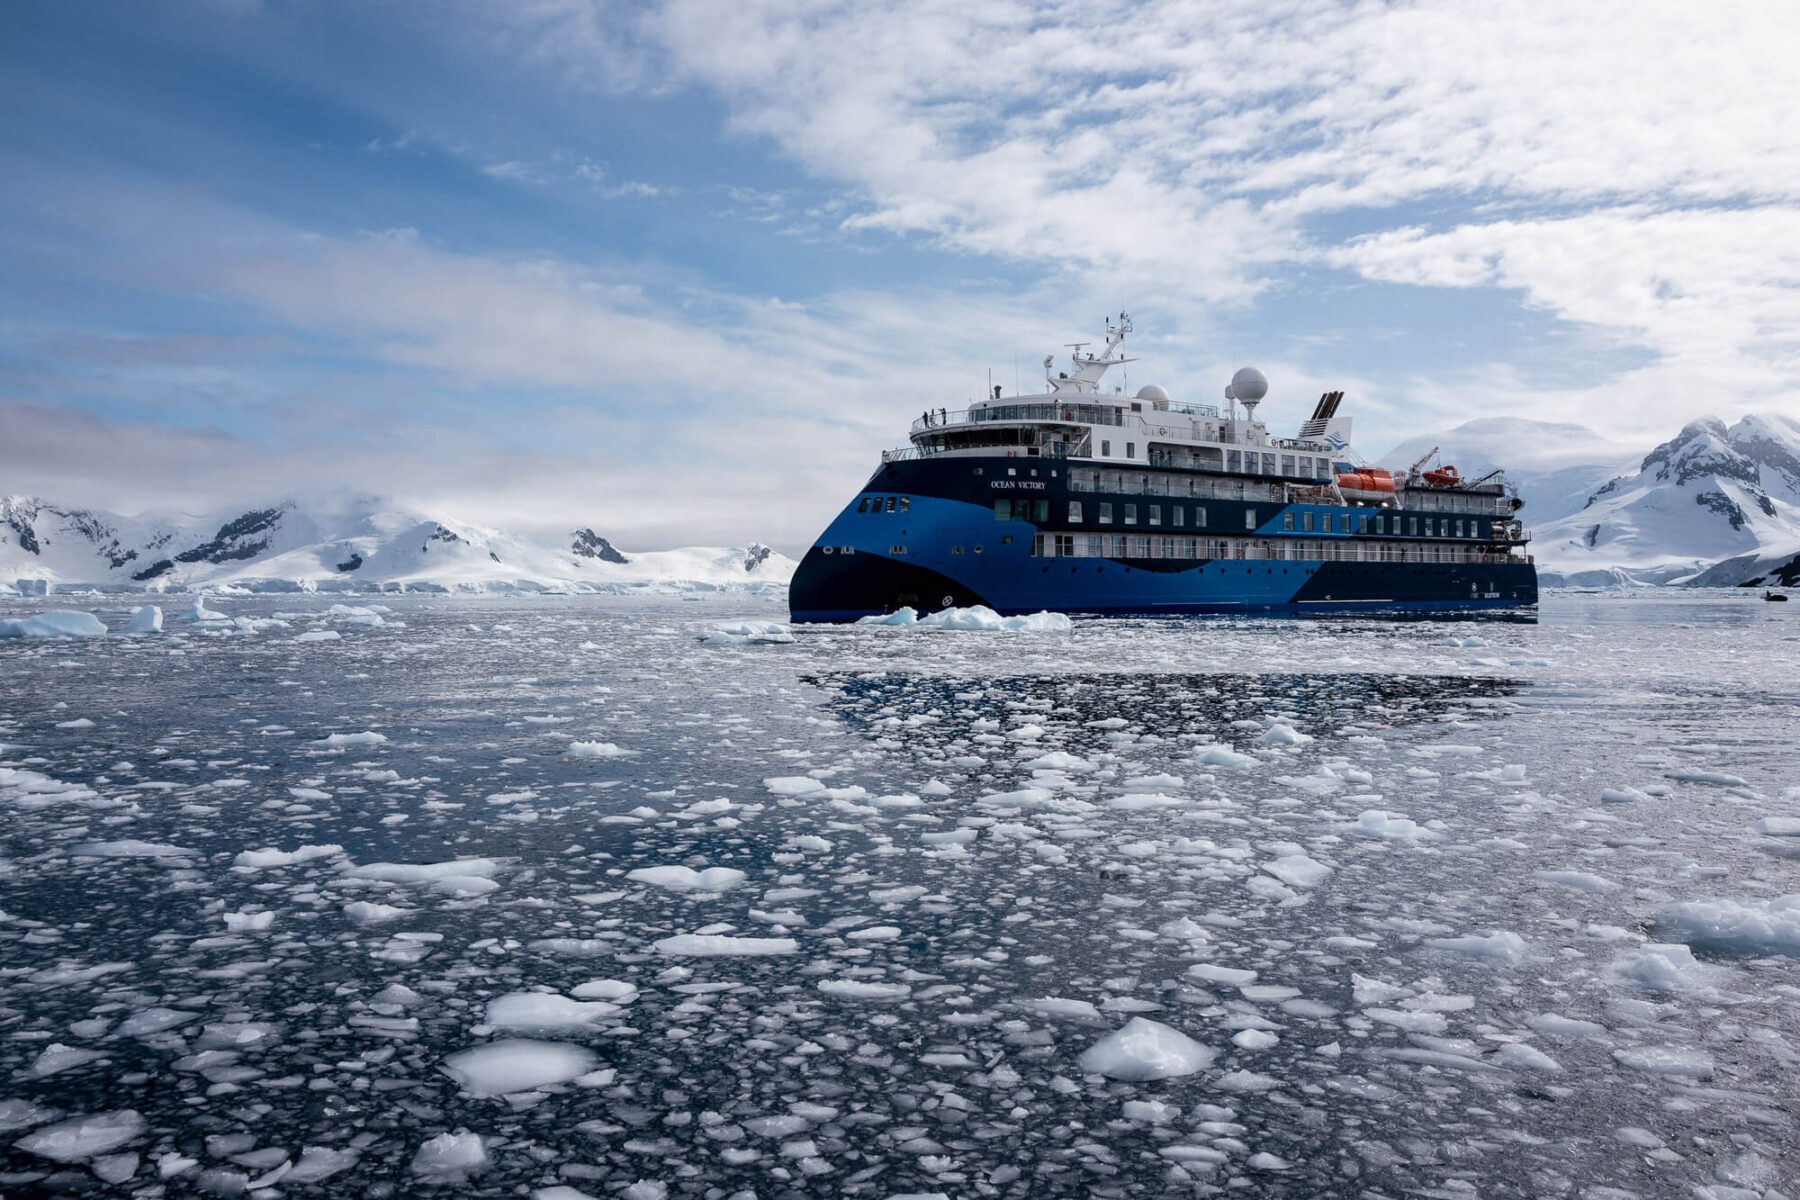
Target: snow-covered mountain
358,546
1716,505
1709,495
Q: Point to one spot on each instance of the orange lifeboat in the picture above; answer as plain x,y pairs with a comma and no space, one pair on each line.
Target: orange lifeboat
1371,483
1443,477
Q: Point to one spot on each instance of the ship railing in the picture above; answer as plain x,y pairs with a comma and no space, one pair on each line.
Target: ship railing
1072,413
1177,546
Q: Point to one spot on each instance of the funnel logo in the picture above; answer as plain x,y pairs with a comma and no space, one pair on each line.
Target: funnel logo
1336,442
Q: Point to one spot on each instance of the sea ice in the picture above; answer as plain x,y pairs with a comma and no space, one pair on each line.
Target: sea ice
749,633
686,879
597,750
543,1010
856,989
80,1138
341,740
148,619
1678,1062
57,623
450,1157
1143,1050
1503,946
129,848
463,868
517,1065
1298,870
269,856
714,945
1747,927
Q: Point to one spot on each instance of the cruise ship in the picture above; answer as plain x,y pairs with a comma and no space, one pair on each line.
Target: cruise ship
1081,500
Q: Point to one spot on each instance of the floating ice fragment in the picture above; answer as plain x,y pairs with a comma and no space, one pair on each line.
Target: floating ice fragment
615,990
856,989
367,912
1622,795
1214,973
1778,826
793,785
198,611
1664,967
340,740
1504,946
130,848
80,1138
701,945
424,872
541,1010
271,857
247,922
57,1057
597,750
1055,1006
980,618
686,879
1677,1062
1282,734
1749,927
1253,1039
1526,1058
450,1157
320,1162
1145,1050
319,635
148,619
1298,870
1223,756
517,1065
58,623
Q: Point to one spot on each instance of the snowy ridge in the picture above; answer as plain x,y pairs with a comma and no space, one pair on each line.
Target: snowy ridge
365,546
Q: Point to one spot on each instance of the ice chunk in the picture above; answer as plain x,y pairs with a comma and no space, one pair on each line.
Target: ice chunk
153,1020
57,1057
597,750
980,618
1391,826
1214,973
1145,1050
1676,1062
793,785
81,1138
1750,927
340,740
615,990
450,1157
147,619
1298,870
857,989
1223,756
542,1010
517,1065
1526,1058
130,848
749,633
1055,1006
319,635
249,922
367,912
1622,795
58,623
686,879
268,856
1253,1039
1664,967
320,1162
1778,826
714,945
425,872
198,611
1504,945
1282,734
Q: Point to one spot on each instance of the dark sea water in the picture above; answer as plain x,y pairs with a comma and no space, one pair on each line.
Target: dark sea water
1416,909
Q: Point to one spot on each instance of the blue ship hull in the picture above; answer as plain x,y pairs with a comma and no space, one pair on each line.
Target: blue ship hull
947,547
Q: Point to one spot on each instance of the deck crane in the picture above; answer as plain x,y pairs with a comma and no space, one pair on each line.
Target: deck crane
1412,472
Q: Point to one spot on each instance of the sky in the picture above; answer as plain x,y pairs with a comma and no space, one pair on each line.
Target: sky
680,271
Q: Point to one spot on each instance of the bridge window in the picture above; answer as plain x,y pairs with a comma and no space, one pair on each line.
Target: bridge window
892,502
1287,464
1234,461
863,507
906,504
1074,512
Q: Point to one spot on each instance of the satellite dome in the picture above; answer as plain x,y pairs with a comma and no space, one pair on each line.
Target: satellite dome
1248,384
1151,391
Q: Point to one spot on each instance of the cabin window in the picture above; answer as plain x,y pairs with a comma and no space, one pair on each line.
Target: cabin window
1234,461
1268,464
1131,514
1065,545
1306,522
1412,526
1136,407
1105,448
1105,512
1199,516
1093,546
1459,528
864,506
1155,514
1006,539
1037,546
1140,547
1249,518
1130,449
892,503
1074,512
1362,523
978,549
1177,516
906,504
1287,522
1287,464
956,549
